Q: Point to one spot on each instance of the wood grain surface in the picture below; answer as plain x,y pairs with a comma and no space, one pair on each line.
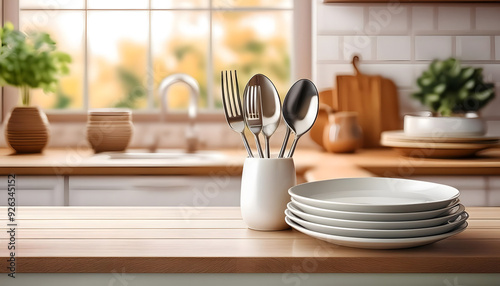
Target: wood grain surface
373,98
216,240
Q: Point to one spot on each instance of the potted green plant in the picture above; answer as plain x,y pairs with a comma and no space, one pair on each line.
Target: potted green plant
454,94
29,62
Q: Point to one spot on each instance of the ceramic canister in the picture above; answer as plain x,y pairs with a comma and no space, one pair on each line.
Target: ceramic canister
264,192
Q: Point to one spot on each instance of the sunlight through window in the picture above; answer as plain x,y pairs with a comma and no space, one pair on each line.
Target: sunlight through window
122,50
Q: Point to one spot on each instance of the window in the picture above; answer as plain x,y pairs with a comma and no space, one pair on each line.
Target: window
122,49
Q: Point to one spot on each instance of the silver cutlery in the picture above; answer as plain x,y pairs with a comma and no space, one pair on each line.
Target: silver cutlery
253,113
233,108
271,108
261,110
300,109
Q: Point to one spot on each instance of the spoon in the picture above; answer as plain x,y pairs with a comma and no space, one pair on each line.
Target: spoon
300,109
271,107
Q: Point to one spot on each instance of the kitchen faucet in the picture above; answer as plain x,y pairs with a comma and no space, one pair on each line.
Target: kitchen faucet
194,92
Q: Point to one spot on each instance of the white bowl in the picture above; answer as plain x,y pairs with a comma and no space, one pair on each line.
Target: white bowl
443,126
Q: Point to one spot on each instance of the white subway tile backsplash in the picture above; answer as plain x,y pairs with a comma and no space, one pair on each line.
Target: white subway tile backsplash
433,47
492,108
418,69
422,18
326,74
473,47
407,104
470,32
387,20
340,18
401,74
328,48
393,48
488,18
454,18
360,45
491,72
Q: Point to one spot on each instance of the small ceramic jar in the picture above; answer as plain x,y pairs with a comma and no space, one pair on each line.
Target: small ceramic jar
342,134
109,129
264,192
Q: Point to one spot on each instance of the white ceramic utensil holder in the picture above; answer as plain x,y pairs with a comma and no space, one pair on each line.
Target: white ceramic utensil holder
264,192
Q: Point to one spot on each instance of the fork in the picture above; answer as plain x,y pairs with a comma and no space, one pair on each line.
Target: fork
253,112
232,107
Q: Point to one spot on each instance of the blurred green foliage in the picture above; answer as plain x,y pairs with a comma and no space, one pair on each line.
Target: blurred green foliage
448,88
30,61
135,90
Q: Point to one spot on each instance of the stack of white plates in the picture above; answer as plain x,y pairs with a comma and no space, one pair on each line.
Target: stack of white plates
378,213
437,146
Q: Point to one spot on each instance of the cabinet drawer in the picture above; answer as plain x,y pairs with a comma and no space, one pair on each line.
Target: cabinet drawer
35,190
154,191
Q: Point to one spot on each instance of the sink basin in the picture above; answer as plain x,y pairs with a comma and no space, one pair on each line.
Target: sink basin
170,155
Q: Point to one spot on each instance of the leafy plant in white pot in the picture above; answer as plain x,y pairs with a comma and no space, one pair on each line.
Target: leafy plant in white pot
454,94
29,62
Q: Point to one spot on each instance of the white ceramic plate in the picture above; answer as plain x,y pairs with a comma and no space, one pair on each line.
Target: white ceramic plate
376,243
110,111
399,135
451,209
387,195
379,233
374,224
438,145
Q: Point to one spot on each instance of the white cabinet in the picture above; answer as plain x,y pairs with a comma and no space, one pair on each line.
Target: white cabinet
186,190
35,190
494,191
154,191
474,190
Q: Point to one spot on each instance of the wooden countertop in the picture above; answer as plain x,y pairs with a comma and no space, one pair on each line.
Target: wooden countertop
389,163
73,161
216,240
314,164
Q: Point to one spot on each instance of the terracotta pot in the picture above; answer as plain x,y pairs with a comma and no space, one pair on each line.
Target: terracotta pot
27,130
343,133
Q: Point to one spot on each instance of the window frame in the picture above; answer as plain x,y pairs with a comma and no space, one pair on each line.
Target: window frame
301,68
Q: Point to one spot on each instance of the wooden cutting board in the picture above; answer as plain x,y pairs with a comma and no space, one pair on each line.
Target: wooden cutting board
374,98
